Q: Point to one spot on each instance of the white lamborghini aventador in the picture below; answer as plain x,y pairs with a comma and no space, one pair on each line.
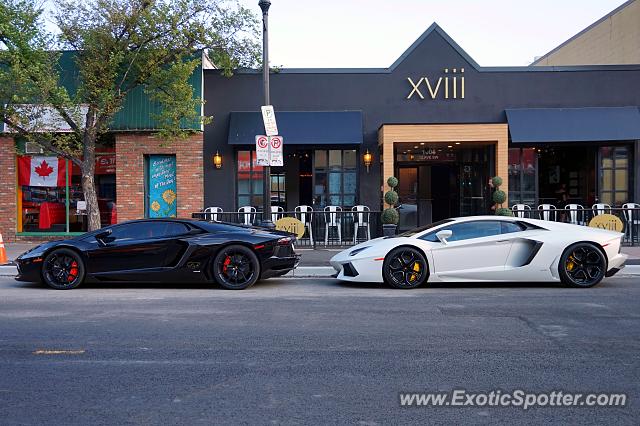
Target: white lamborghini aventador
485,248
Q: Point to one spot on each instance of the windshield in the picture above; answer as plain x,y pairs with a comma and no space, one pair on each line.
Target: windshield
421,229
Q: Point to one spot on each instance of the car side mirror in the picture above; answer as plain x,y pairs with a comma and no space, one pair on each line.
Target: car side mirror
103,238
443,235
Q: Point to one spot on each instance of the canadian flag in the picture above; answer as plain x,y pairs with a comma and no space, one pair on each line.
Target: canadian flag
41,171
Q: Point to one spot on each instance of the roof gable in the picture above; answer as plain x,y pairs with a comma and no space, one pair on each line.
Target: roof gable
433,34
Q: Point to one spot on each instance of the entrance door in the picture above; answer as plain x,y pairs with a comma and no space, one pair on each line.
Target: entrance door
427,193
408,197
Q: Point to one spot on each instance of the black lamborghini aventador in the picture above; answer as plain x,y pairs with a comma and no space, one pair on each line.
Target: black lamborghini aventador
162,250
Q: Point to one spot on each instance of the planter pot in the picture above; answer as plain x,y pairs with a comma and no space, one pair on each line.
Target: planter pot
389,229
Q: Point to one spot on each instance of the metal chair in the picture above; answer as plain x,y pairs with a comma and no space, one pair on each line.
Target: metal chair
248,214
211,213
276,213
332,220
631,212
360,220
600,208
520,210
576,214
547,211
305,215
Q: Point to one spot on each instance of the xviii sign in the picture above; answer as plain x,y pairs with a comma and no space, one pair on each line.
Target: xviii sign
451,86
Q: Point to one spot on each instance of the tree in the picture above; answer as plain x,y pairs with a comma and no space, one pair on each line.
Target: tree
119,45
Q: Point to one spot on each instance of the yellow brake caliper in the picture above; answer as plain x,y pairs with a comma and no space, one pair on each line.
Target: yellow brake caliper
570,264
416,268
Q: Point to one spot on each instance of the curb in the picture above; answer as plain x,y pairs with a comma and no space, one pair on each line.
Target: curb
8,271
311,272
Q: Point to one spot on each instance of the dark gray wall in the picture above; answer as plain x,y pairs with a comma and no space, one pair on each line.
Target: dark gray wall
381,95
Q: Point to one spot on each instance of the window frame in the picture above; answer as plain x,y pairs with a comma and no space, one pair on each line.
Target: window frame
327,194
612,171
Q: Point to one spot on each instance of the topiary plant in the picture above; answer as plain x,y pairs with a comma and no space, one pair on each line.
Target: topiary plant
499,197
390,215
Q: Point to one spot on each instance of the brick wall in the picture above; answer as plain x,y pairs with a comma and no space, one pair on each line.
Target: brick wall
130,151
8,213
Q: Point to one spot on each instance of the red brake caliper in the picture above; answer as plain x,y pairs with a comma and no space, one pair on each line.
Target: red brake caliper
73,272
226,263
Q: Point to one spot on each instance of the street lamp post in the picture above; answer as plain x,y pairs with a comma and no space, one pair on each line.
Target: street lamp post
266,170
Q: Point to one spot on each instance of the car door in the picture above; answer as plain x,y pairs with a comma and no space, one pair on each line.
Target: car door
135,246
476,250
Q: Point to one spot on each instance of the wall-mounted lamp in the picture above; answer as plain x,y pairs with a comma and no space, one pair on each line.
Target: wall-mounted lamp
367,158
217,160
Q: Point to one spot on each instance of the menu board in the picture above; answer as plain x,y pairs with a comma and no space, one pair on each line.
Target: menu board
162,186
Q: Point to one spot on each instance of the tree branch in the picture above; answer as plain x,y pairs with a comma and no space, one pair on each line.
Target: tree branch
45,143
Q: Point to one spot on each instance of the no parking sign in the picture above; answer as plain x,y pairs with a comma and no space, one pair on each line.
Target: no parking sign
262,150
269,150
275,154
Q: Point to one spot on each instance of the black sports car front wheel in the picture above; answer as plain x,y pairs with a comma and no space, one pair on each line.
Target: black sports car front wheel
63,269
405,267
582,265
236,267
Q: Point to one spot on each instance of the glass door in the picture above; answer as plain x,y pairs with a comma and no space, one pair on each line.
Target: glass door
407,197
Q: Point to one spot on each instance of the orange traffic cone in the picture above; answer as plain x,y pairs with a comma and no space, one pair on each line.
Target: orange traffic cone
3,252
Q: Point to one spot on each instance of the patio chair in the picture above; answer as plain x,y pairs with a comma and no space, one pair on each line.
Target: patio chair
360,220
520,210
576,214
600,208
305,215
276,213
631,212
211,213
332,219
547,212
248,214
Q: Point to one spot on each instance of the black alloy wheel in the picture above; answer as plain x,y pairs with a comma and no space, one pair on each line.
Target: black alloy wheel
236,267
405,268
582,265
63,269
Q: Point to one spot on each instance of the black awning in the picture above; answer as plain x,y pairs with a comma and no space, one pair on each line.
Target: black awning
300,127
574,124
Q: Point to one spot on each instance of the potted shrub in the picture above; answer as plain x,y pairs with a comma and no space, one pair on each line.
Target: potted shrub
390,216
499,197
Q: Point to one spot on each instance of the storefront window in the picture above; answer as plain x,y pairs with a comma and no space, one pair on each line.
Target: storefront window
45,185
335,178
614,175
249,180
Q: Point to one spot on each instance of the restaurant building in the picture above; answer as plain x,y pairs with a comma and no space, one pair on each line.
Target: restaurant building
439,122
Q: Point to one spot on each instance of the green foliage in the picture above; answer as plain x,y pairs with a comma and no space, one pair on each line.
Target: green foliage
390,216
391,198
503,211
392,181
499,196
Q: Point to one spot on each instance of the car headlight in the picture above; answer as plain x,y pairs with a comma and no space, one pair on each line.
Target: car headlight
358,250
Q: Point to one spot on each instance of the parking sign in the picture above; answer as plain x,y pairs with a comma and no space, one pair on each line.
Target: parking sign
275,151
262,150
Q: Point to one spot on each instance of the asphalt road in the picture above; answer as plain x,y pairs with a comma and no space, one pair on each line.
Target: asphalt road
311,351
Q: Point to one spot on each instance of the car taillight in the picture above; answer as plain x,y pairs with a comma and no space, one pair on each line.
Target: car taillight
285,241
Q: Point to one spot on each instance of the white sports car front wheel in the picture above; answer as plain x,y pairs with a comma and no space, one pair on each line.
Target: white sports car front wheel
405,267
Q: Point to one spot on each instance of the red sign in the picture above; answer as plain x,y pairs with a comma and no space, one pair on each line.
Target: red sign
105,163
